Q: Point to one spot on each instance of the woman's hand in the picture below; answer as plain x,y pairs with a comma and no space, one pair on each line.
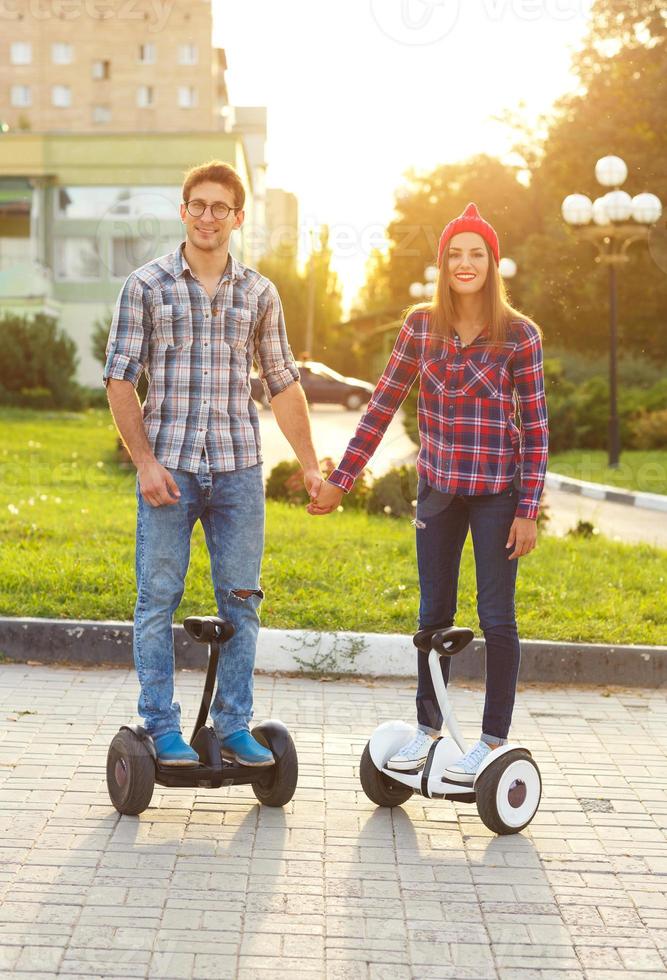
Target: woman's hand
523,536
328,499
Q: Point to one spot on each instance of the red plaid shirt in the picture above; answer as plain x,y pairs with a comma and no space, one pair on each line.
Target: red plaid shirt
468,401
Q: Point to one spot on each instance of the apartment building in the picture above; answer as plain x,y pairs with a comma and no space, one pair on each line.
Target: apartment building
103,107
111,66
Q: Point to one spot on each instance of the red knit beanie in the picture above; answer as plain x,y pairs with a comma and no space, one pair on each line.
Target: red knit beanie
470,220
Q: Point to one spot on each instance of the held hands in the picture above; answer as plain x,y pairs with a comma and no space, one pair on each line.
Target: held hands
523,536
312,480
327,500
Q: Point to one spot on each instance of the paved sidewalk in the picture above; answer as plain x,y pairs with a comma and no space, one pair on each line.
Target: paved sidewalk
210,885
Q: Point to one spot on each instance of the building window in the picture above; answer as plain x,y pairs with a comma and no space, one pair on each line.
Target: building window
20,96
61,54
101,114
101,69
145,96
188,54
187,96
21,53
156,203
147,54
77,259
61,96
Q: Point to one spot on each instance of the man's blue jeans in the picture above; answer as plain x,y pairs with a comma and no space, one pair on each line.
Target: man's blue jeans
442,522
230,507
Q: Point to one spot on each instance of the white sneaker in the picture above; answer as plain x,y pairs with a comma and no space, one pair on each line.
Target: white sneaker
465,769
413,755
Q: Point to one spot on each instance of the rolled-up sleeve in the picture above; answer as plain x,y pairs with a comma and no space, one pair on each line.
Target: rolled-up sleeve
272,352
127,346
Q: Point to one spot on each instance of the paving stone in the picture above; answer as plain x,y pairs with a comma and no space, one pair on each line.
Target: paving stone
208,883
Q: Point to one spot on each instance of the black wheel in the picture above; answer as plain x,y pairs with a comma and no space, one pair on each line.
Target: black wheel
130,773
276,786
508,792
378,787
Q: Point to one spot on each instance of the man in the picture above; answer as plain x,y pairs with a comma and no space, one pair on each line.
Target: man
194,319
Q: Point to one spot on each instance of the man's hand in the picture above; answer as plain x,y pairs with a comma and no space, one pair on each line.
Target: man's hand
157,485
328,499
523,536
313,480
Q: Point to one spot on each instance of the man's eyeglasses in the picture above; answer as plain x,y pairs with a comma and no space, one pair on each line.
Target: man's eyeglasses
218,210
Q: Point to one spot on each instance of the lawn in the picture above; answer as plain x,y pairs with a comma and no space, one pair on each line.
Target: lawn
68,552
637,470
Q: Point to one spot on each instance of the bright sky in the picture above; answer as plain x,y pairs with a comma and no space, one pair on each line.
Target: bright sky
359,91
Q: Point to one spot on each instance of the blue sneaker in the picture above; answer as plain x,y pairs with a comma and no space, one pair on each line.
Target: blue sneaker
465,768
241,747
173,750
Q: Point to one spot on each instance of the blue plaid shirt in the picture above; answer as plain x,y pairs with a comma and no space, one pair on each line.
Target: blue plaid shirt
197,353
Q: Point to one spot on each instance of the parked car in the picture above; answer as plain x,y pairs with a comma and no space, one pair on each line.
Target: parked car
323,385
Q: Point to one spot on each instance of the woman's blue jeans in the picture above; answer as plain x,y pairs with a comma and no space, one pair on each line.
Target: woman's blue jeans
230,506
442,522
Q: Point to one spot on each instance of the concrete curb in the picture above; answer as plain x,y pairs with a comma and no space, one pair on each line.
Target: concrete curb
601,491
93,644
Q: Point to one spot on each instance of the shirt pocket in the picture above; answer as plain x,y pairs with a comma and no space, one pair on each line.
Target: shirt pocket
172,325
237,328
481,379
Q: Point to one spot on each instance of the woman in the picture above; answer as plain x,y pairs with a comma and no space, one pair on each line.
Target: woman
478,360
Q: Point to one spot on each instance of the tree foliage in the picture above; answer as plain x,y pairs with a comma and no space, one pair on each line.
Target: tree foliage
617,107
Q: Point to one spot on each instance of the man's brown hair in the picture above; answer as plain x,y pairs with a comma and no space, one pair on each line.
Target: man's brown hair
219,173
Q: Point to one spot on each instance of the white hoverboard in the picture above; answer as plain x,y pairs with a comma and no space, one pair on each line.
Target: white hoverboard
507,787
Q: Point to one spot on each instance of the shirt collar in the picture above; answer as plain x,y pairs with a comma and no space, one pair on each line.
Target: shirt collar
482,335
234,269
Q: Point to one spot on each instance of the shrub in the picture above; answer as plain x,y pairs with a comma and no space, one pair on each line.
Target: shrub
37,364
649,430
285,482
393,492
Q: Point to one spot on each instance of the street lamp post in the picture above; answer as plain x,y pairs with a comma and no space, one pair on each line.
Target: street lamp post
607,223
425,290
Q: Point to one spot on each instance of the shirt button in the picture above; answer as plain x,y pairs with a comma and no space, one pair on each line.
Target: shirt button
206,315
205,372
206,343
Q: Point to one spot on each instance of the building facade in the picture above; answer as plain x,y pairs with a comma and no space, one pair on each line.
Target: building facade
103,115
111,66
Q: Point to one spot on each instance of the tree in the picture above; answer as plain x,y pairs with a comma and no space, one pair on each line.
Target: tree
423,209
281,269
618,108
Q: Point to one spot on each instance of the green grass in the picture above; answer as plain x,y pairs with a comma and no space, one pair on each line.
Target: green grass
67,551
638,470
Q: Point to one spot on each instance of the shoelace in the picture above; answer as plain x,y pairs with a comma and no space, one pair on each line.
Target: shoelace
475,756
416,745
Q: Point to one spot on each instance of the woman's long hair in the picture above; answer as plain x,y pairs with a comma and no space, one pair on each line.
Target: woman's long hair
497,309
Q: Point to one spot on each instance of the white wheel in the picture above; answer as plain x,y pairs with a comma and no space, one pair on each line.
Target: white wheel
508,792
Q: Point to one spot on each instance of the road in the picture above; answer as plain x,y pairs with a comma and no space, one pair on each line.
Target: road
333,426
